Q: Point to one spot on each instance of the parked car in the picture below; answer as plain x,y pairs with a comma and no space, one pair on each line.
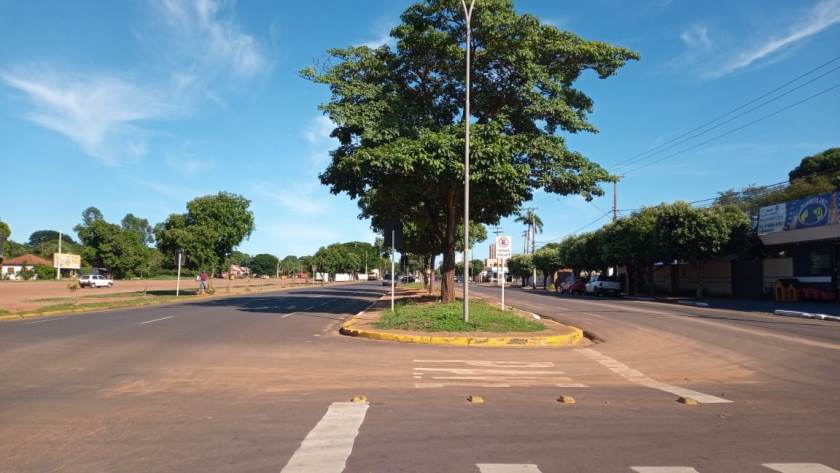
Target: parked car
600,285
386,280
95,280
573,286
408,279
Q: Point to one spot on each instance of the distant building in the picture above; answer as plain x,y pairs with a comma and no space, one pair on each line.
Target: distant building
235,271
492,254
11,269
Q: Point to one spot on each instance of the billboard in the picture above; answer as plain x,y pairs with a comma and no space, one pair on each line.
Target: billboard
68,261
810,212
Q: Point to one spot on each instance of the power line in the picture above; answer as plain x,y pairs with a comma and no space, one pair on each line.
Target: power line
730,120
659,148
748,124
712,199
577,230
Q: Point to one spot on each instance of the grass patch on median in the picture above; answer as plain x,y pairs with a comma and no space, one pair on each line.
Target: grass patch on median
435,317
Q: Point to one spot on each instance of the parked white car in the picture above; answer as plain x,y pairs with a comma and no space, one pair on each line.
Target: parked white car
600,285
95,280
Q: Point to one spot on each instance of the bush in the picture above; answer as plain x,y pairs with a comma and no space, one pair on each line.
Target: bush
26,274
45,272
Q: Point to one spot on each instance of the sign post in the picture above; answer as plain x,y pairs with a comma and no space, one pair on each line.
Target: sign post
503,252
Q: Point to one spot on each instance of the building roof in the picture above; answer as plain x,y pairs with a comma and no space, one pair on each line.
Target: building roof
28,260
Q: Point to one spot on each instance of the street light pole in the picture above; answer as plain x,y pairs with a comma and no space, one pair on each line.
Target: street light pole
468,15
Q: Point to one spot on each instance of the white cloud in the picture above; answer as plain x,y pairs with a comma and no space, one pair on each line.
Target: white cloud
107,114
211,38
317,134
300,197
696,37
824,14
103,114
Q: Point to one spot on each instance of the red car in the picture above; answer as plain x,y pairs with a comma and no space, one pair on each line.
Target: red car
573,286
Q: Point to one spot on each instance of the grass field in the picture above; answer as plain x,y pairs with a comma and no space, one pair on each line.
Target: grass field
435,317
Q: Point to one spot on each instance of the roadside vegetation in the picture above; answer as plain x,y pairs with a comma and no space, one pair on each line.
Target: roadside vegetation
448,317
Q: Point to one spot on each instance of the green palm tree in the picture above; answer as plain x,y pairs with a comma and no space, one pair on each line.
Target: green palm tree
533,222
534,225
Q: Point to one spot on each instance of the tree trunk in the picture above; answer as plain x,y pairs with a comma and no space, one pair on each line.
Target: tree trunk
650,283
432,274
699,279
447,283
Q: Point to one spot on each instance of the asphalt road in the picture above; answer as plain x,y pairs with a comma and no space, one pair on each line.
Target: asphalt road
259,383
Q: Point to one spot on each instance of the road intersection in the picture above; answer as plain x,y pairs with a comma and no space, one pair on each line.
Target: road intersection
262,383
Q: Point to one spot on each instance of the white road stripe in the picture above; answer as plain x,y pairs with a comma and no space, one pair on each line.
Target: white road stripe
327,446
639,378
157,320
468,371
47,320
507,468
663,469
799,467
495,364
288,315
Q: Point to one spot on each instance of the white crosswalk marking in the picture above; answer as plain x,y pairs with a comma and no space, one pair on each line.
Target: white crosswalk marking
663,469
507,468
799,468
328,445
489,374
638,377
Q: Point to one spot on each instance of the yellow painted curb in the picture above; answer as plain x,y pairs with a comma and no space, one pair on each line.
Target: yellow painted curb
568,339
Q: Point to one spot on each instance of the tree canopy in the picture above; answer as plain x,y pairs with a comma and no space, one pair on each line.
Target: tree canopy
264,264
399,114
212,227
140,226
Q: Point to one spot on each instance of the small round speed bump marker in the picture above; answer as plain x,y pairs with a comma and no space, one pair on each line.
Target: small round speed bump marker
359,399
476,399
566,400
688,401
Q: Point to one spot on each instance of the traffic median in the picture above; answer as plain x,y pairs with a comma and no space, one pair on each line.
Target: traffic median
419,318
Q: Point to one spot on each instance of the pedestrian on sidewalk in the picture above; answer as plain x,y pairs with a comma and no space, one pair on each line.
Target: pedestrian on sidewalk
202,282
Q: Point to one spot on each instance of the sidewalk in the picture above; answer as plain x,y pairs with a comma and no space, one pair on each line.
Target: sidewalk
768,306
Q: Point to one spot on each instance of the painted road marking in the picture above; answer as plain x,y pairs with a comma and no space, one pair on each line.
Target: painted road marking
507,468
799,467
328,445
288,315
639,378
47,320
663,469
157,320
489,374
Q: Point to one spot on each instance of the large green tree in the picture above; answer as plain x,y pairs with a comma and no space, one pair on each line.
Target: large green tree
208,232
399,114
107,245
549,260
290,265
696,235
140,226
264,264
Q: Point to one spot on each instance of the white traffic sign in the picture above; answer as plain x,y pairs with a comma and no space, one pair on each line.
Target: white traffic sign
503,247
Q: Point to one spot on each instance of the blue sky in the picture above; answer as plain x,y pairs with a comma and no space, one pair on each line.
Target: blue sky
140,106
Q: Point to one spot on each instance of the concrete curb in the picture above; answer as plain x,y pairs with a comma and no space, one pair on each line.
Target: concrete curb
350,329
806,315
695,304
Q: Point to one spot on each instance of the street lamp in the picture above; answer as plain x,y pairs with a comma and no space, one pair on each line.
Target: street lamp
468,15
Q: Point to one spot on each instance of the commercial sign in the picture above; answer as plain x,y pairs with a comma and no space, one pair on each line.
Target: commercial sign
503,247
67,260
771,219
810,212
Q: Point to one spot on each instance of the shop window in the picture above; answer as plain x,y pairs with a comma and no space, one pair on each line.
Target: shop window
819,263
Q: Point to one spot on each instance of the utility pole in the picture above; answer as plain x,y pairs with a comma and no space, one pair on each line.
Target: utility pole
58,270
468,15
615,198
